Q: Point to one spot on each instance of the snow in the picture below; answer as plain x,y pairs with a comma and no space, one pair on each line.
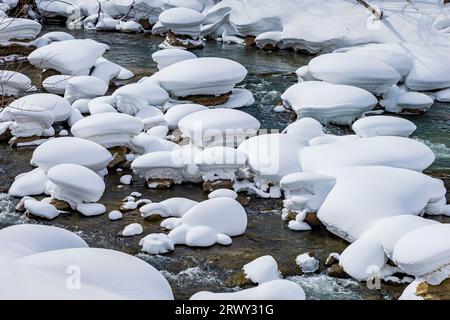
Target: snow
167,57
41,209
14,28
393,229
74,184
384,151
106,70
443,95
59,107
220,163
30,121
383,126
126,179
133,97
272,290
173,207
262,269
362,195
27,239
227,193
71,57
201,76
321,26
211,221
410,291
226,127
13,83
82,152
84,87
53,36
272,156
307,263
128,26
132,229
328,103
183,21
56,84
82,105
145,143
424,250
115,215
49,272
354,70
108,129
29,184
91,209
306,128
179,111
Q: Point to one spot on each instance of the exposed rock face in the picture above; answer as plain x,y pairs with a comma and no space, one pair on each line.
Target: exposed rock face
209,101
119,156
430,292
210,186
159,183
16,48
61,205
185,41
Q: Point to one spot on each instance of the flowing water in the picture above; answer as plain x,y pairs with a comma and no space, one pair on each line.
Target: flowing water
218,268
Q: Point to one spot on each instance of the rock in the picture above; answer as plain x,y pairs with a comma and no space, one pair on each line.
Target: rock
237,279
209,101
336,271
249,41
270,47
177,41
209,186
332,259
5,136
16,48
159,183
312,220
61,205
145,24
119,155
430,292
15,142
244,200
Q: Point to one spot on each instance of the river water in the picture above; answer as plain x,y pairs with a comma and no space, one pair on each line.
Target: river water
218,268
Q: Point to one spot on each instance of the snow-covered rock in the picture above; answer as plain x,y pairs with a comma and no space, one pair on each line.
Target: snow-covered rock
383,150
220,163
328,103
71,57
53,36
115,215
29,184
201,76
27,239
41,209
227,193
56,84
108,129
13,83
213,127
173,207
364,194
132,229
398,100
106,70
91,209
56,105
306,128
354,70
74,184
271,290
383,126
85,87
133,97
307,263
30,121
262,269
167,57
14,28
179,111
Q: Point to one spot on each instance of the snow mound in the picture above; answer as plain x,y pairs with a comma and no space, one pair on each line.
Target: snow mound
13,83
262,269
56,105
167,57
383,126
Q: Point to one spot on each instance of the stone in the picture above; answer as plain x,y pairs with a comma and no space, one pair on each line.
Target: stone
249,41
208,101
175,40
336,271
244,200
119,156
61,205
16,141
145,24
331,260
6,135
159,183
312,220
209,186
430,292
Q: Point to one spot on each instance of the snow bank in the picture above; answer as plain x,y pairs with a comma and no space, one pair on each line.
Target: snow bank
82,152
